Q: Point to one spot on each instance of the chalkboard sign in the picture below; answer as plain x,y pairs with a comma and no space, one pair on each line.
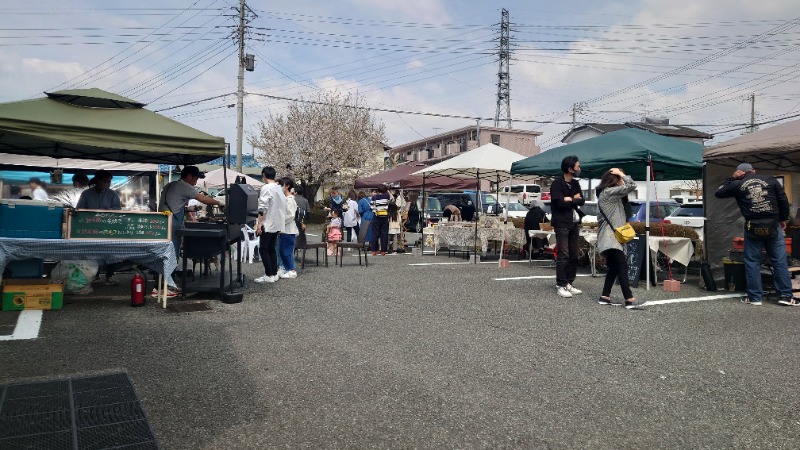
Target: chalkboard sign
634,252
125,225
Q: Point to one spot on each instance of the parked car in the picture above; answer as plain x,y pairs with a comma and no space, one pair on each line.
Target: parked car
588,208
521,193
689,215
591,211
517,210
488,202
658,211
433,213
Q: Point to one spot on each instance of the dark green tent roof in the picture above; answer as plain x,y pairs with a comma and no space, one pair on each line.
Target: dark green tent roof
629,149
94,124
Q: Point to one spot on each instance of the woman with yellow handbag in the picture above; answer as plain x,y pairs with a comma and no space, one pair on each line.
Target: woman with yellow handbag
613,232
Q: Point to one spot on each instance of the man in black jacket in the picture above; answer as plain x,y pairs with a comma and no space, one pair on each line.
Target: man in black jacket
533,220
565,202
765,208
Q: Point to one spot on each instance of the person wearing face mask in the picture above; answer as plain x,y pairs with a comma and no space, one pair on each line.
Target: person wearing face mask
565,201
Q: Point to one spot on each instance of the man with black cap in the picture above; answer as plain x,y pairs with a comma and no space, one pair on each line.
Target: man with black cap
765,208
177,194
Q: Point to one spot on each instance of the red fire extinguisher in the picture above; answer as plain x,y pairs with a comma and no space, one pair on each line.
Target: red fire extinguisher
137,290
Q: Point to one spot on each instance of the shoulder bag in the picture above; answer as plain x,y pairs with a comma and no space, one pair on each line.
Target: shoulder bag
624,234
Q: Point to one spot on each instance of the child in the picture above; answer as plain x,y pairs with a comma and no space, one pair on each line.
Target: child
394,226
334,231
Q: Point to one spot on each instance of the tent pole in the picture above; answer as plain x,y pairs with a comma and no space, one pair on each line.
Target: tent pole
424,213
478,211
505,216
647,226
705,208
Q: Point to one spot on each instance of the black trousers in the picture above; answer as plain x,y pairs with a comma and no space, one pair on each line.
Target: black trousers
617,266
351,231
380,230
568,240
266,248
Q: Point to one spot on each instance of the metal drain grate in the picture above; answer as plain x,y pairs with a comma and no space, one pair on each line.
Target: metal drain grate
76,413
188,307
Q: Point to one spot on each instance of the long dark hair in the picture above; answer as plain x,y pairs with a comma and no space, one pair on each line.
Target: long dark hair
609,179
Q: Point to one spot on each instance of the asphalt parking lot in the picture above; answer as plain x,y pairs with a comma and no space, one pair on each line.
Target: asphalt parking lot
439,355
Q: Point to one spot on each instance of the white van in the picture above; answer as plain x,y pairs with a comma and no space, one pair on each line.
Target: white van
521,193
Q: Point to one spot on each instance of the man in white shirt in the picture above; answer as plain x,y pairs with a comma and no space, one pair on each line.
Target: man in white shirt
37,189
271,222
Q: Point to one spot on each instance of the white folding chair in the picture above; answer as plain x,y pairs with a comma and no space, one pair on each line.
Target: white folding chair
251,243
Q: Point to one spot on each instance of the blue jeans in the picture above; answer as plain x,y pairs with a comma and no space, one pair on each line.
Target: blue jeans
278,252
177,224
287,251
776,249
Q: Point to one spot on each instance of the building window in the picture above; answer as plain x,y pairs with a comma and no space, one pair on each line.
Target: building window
416,156
462,145
496,139
430,153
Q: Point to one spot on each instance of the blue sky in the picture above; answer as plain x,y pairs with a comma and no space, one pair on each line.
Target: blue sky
693,62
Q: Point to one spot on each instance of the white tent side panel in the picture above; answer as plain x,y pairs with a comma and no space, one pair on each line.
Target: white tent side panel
89,165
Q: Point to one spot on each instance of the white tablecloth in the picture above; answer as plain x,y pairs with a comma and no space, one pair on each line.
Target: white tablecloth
679,249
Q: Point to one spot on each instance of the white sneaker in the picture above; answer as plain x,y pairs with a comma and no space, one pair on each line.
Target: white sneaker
281,271
574,291
266,279
564,292
289,274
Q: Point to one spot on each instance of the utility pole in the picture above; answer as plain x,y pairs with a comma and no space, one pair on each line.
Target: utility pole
503,74
576,109
240,91
246,62
753,126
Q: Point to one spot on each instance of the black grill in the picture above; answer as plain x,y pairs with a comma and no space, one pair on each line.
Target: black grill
75,413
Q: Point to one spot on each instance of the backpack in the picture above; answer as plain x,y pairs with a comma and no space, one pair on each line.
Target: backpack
300,217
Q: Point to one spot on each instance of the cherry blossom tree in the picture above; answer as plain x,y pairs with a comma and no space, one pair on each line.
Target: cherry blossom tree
328,139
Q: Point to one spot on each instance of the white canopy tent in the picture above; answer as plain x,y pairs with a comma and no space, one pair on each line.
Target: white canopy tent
216,179
488,161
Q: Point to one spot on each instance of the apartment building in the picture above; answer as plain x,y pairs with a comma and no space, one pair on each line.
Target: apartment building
465,139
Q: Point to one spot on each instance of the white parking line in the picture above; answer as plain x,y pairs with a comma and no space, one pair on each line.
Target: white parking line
441,264
692,299
535,277
28,324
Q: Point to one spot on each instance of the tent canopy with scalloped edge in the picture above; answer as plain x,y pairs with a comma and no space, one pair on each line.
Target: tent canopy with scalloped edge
95,124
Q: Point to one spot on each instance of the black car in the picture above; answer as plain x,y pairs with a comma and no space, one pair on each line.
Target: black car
433,213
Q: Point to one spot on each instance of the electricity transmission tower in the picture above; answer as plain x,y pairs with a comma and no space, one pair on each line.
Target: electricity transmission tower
503,76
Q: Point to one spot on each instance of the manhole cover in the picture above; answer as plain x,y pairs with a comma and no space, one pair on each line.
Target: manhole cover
188,307
99,412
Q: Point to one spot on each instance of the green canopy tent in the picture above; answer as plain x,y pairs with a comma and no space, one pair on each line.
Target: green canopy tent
630,149
95,124
98,125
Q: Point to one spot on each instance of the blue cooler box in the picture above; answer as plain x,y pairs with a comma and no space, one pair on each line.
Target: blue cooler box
31,219
25,268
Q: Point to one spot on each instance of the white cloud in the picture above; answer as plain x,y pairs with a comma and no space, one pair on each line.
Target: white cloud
415,64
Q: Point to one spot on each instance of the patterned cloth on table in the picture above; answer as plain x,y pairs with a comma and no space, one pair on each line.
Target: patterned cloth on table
158,256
